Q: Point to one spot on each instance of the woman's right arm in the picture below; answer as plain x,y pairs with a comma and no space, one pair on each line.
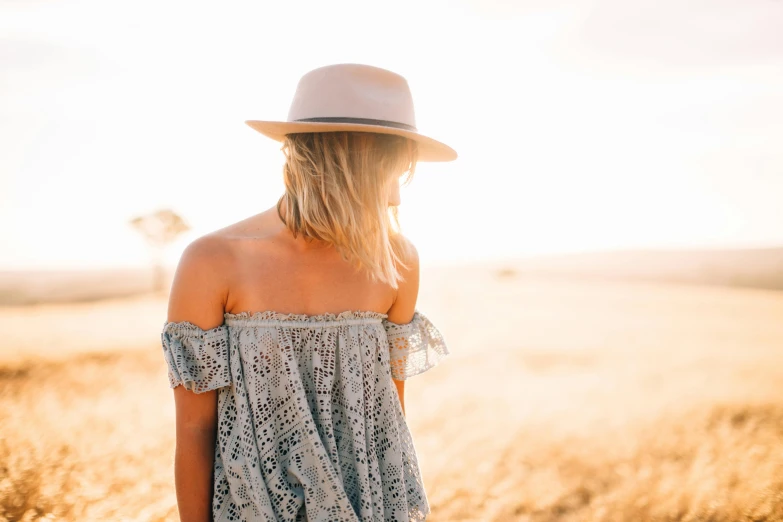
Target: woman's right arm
198,295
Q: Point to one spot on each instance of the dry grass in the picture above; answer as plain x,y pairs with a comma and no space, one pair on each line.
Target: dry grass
89,439
562,400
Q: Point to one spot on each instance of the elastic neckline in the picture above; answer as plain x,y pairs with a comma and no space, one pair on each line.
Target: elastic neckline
271,317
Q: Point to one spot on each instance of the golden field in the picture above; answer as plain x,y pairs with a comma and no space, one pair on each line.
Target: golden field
563,398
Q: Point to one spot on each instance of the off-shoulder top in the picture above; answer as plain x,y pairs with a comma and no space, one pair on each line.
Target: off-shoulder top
310,426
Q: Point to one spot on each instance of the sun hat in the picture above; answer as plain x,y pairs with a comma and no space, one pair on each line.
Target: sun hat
354,97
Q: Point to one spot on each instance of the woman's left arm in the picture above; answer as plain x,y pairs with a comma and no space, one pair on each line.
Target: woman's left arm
404,305
198,295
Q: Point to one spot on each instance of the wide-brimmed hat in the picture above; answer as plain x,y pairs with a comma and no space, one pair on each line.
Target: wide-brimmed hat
354,97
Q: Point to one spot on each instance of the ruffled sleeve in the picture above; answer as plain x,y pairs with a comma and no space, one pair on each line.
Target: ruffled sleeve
414,347
196,358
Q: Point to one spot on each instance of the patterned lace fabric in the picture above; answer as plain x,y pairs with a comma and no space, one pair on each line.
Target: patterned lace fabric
310,426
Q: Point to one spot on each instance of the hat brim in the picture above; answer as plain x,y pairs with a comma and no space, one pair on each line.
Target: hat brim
430,150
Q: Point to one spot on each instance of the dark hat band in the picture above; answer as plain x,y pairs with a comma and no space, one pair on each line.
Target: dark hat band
361,121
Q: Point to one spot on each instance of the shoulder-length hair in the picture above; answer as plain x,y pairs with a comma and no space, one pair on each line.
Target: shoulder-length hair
337,189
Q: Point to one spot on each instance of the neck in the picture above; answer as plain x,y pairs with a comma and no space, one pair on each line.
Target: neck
302,242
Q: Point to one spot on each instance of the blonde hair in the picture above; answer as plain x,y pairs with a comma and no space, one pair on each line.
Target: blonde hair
337,189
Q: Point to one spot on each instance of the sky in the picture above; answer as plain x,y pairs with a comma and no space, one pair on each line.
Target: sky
580,125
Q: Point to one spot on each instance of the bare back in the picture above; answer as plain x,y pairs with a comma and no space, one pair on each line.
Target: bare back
270,270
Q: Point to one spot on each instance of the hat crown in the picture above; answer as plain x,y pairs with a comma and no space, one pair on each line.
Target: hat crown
353,91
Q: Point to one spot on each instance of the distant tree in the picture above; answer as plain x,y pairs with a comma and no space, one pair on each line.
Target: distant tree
160,229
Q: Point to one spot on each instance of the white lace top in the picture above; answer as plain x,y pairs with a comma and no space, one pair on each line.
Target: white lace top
310,425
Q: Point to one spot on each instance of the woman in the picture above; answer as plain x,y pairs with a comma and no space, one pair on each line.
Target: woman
290,334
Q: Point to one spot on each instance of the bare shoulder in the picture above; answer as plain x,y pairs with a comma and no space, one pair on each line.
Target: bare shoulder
214,253
212,246
410,259
200,287
404,305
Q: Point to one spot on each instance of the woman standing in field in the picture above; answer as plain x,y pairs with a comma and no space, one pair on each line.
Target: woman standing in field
290,334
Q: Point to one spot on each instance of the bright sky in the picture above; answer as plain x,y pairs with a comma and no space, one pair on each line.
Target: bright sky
580,125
